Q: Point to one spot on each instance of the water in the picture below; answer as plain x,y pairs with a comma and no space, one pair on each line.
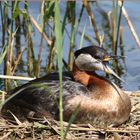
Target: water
132,51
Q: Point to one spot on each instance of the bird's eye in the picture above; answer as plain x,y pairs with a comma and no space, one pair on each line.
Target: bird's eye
99,58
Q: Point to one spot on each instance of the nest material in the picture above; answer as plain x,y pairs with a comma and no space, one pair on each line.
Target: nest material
50,129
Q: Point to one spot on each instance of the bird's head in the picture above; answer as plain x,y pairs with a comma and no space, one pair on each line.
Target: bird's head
94,58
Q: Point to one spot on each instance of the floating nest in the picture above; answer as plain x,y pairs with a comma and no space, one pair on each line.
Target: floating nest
50,129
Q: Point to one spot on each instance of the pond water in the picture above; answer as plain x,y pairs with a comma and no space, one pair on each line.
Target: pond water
132,51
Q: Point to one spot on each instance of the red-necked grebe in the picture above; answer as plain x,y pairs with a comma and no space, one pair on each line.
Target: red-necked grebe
99,100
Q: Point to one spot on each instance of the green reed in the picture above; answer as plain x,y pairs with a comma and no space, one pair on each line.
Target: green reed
58,29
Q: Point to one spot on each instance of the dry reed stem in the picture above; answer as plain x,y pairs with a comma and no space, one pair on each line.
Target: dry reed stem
16,77
17,62
87,6
40,31
129,24
88,127
5,136
3,93
106,130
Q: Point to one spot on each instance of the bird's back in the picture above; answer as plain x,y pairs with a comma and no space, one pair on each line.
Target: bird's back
40,97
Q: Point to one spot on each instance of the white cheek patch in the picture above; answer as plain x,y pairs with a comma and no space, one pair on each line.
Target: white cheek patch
88,63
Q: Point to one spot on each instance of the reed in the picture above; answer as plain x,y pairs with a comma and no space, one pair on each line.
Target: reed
58,29
72,18
113,21
92,18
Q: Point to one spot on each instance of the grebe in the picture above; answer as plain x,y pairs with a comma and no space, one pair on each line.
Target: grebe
100,101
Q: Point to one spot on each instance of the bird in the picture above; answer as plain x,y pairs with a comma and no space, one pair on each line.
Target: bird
98,100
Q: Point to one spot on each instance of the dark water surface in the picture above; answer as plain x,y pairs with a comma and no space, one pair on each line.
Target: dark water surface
132,51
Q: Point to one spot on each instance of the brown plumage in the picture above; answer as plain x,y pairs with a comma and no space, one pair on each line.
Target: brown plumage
99,100
106,104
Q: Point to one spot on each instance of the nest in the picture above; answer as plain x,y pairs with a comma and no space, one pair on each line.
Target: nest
50,129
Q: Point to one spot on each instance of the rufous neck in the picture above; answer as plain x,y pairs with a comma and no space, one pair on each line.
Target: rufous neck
87,78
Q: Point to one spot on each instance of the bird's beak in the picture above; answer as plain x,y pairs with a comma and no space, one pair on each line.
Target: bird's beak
108,70
107,59
111,57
